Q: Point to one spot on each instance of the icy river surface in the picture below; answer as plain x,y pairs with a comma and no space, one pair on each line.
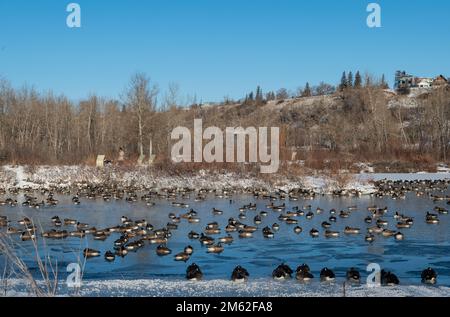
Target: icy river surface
144,273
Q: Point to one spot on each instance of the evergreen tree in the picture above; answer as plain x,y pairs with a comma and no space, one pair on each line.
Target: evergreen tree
307,91
384,84
272,96
343,83
350,80
246,99
259,96
358,80
368,81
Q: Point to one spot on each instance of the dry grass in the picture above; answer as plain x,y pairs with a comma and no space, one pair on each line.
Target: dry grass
45,283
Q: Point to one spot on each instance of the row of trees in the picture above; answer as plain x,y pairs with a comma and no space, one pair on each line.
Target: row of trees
361,122
348,82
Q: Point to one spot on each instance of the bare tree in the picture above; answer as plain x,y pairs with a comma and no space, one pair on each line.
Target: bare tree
140,99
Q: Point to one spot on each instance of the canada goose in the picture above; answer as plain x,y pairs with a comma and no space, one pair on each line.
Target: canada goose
27,236
350,230
399,236
247,228
189,250
332,219
217,212
353,276
136,245
90,253
25,221
331,234
381,222
54,234
282,272
431,219
193,220
375,229
3,222
193,273
279,208
12,230
303,273
230,228
218,248
309,215
275,227
100,236
267,233
291,221
298,230
403,225
429,276
327,275
314,233
226,240
257,220
91,230
206,240
245,234
212,231
370,238
388,233
82,225
77,234
121,251
239,275
109,256
182,256
326,225
171,226
212,225
388,279
441,210
68,222
162,250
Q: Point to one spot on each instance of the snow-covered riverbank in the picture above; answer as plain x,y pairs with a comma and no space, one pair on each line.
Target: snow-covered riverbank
224,288
47,176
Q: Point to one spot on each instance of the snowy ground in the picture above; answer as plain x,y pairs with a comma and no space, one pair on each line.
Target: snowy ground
45,176
222,288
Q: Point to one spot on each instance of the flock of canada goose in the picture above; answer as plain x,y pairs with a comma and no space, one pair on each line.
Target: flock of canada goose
133,235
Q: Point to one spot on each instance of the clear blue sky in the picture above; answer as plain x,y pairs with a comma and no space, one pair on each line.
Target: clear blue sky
214,48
